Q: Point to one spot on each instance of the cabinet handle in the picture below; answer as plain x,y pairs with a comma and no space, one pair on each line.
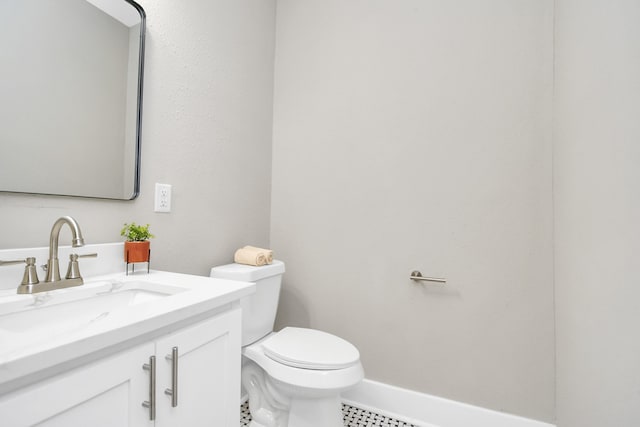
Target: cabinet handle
151,403
173,391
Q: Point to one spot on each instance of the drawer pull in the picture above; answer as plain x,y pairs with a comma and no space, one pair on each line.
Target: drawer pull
173,391
151,403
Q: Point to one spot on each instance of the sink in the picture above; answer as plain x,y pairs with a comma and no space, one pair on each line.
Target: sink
29,319
78,307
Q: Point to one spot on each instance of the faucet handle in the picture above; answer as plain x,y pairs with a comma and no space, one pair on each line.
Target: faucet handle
93,255
30,274
73,271
12,262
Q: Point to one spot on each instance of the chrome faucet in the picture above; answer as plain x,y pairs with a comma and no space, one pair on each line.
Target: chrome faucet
30,284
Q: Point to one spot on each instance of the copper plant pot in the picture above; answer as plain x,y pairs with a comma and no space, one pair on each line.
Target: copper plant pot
136,251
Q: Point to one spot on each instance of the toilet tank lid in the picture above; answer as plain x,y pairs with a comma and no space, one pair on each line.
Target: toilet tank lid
247,273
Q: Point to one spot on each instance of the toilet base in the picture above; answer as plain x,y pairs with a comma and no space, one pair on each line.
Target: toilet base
272,405
267,406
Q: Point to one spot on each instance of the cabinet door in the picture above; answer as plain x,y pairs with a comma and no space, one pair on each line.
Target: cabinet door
208,376
106,393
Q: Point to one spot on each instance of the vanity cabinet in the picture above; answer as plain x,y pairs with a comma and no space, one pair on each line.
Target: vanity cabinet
208,376
110,392
98,394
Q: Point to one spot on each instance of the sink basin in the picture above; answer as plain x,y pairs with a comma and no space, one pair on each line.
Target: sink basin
31,318
73,310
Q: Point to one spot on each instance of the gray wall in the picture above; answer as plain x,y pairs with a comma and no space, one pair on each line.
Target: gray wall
597,207
417,135
206,130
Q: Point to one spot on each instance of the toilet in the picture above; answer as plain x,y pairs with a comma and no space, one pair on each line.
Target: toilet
293,377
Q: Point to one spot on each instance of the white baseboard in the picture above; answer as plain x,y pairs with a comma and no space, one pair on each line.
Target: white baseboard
429,411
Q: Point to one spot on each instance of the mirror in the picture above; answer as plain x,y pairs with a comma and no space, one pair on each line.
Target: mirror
71,97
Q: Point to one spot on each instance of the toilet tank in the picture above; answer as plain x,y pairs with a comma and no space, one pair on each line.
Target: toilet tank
258,309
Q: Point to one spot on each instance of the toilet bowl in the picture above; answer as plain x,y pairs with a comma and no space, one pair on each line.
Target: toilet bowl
303,372
293,377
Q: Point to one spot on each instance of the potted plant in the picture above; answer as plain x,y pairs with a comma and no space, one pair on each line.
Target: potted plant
136,247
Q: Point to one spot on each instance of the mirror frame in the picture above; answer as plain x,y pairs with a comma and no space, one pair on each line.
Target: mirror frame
138,152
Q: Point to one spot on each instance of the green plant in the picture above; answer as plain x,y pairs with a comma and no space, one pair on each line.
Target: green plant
136,233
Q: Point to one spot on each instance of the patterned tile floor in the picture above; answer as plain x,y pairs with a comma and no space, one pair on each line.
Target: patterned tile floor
353,417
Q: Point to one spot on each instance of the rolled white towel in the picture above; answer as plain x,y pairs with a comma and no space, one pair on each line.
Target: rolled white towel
252,256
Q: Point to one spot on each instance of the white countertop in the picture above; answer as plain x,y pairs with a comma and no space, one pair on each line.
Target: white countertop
34,352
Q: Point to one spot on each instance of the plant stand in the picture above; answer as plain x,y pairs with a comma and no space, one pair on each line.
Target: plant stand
133,263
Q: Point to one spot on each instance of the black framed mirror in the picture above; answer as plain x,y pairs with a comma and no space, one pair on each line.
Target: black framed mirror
71,97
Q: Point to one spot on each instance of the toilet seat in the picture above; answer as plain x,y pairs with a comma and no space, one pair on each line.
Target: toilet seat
316,380
310,349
